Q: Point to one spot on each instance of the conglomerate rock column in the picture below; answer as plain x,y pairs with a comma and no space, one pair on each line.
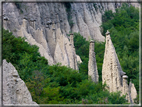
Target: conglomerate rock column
132,91
74,53
125,89
92,65
112,73
111,67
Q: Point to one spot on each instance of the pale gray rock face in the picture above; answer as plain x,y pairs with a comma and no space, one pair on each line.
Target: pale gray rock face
78,59
122,73
34,21
15,91
75,66
125,88
44,25
111,67
133,91
36,40
64,51
113,75
136,5
86,21
92,65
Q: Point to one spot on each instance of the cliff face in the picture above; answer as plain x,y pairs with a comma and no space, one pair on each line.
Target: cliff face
14,89
46,25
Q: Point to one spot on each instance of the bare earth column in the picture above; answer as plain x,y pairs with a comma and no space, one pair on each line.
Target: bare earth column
125,89
133,92
111,67
92,65
112,73
74,53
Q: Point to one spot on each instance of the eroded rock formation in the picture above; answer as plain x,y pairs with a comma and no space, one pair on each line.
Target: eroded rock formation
40,23
112,73
15,91
92,65
133,91
74,53
44,25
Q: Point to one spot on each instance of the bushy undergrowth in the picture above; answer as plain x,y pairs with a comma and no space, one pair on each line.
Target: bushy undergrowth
53,84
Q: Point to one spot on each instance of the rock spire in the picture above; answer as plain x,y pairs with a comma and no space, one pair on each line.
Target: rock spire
111,67
92,65
15,91
125,88
112,73
75,66
133,92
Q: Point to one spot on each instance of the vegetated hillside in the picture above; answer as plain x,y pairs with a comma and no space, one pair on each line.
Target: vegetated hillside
53,84
63,85
124,30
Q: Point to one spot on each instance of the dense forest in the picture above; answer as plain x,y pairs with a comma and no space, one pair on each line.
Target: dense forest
62,85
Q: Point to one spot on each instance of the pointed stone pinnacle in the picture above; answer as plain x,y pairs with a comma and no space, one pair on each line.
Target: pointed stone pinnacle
107,33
